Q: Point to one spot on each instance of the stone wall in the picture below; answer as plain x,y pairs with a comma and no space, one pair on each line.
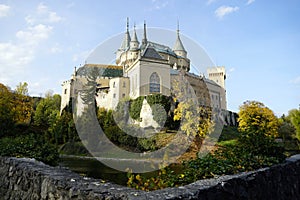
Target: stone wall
29,179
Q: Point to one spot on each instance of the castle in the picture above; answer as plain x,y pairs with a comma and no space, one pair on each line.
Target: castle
145,68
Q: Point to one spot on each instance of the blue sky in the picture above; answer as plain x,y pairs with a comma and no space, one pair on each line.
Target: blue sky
257,41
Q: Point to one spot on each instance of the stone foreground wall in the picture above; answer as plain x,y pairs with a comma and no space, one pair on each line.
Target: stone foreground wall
29,179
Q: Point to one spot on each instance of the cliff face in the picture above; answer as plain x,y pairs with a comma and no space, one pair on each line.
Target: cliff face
28,179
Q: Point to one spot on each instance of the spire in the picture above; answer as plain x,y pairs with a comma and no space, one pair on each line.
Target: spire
144,41
179,49
178,44
134,37
126,41
134,43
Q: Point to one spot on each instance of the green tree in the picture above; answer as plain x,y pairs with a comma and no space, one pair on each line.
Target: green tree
294,117
255,117
47,110
22,88
6,110
23,104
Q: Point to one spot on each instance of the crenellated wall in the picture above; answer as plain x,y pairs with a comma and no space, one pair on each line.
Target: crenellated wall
28,179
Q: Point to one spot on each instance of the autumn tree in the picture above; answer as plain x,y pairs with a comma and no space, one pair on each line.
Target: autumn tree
255,117
23,104
6,110
294,117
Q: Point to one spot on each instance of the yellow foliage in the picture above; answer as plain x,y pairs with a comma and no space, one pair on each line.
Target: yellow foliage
256,117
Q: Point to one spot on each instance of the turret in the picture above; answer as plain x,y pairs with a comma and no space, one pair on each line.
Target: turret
134,43
178,47
126,41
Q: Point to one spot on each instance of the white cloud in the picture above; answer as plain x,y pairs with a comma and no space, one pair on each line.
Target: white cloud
43,15
250,2
210,2
34,34
225,10
4,10
16,56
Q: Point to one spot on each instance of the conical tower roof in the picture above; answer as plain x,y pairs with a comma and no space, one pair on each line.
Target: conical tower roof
126,41
134,43
134,37
178,44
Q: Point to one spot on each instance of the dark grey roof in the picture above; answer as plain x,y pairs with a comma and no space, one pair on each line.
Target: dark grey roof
150,52
162,48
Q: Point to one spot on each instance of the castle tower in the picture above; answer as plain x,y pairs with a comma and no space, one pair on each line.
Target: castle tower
178,47
134,43
218,75
125,44
126,41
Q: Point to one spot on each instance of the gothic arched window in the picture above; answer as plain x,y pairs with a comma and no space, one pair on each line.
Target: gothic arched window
154,83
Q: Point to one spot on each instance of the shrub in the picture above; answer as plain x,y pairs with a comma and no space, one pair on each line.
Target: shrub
32,146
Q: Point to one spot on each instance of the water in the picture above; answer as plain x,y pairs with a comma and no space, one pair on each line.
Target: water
93,168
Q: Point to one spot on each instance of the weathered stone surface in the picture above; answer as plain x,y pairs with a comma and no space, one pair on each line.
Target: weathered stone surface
22,178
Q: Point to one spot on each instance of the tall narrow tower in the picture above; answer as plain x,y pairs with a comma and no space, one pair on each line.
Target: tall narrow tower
178,47
218,75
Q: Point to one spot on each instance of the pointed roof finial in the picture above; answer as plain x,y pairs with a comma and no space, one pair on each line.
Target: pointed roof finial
144,41
178,44
127,39
127,25
134,36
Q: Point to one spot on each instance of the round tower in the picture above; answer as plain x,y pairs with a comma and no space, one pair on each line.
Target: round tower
134,43
179,49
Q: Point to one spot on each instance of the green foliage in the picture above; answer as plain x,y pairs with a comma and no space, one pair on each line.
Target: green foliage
31,146
229,133
238,157
22,88
62,128
74,148
7,116
164,102
47,110
135,107
147,144
256,117
294,116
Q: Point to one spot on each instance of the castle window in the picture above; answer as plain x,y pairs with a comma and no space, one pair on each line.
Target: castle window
124,84
154,83
123,95
66,91
114,95
114,84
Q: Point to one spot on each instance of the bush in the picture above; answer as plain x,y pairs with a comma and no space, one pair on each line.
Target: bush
31,146
250,152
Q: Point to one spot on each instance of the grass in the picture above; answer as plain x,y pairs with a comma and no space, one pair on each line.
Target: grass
228,143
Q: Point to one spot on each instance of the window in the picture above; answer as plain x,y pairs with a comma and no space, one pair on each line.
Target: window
114,84
124,84
123,95
154,82
114,95
66,91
